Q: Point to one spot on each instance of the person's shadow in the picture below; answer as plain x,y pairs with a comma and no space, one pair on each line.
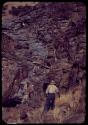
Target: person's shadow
12,102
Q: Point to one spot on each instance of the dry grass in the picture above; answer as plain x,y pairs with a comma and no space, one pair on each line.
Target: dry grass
66,105
71,98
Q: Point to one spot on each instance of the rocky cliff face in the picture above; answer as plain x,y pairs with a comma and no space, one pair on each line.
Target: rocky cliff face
45,42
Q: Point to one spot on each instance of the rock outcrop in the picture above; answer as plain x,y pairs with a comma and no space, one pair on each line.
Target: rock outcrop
44,42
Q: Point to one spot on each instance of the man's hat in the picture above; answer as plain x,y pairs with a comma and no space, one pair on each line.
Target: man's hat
52,82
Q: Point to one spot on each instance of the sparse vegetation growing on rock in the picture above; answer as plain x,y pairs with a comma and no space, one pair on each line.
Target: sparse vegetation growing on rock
45,42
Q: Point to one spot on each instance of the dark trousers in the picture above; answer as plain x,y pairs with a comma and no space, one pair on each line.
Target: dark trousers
50,102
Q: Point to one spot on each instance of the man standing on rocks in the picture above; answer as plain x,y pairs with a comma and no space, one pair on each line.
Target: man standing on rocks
22,92
50,92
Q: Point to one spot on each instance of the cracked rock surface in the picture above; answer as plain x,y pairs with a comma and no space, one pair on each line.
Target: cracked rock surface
44,42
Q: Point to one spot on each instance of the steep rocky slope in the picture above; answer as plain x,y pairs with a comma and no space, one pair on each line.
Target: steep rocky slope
44,42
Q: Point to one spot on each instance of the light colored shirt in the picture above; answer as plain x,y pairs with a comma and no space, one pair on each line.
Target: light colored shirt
52,89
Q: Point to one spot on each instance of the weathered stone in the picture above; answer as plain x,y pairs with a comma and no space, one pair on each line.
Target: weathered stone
43,42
